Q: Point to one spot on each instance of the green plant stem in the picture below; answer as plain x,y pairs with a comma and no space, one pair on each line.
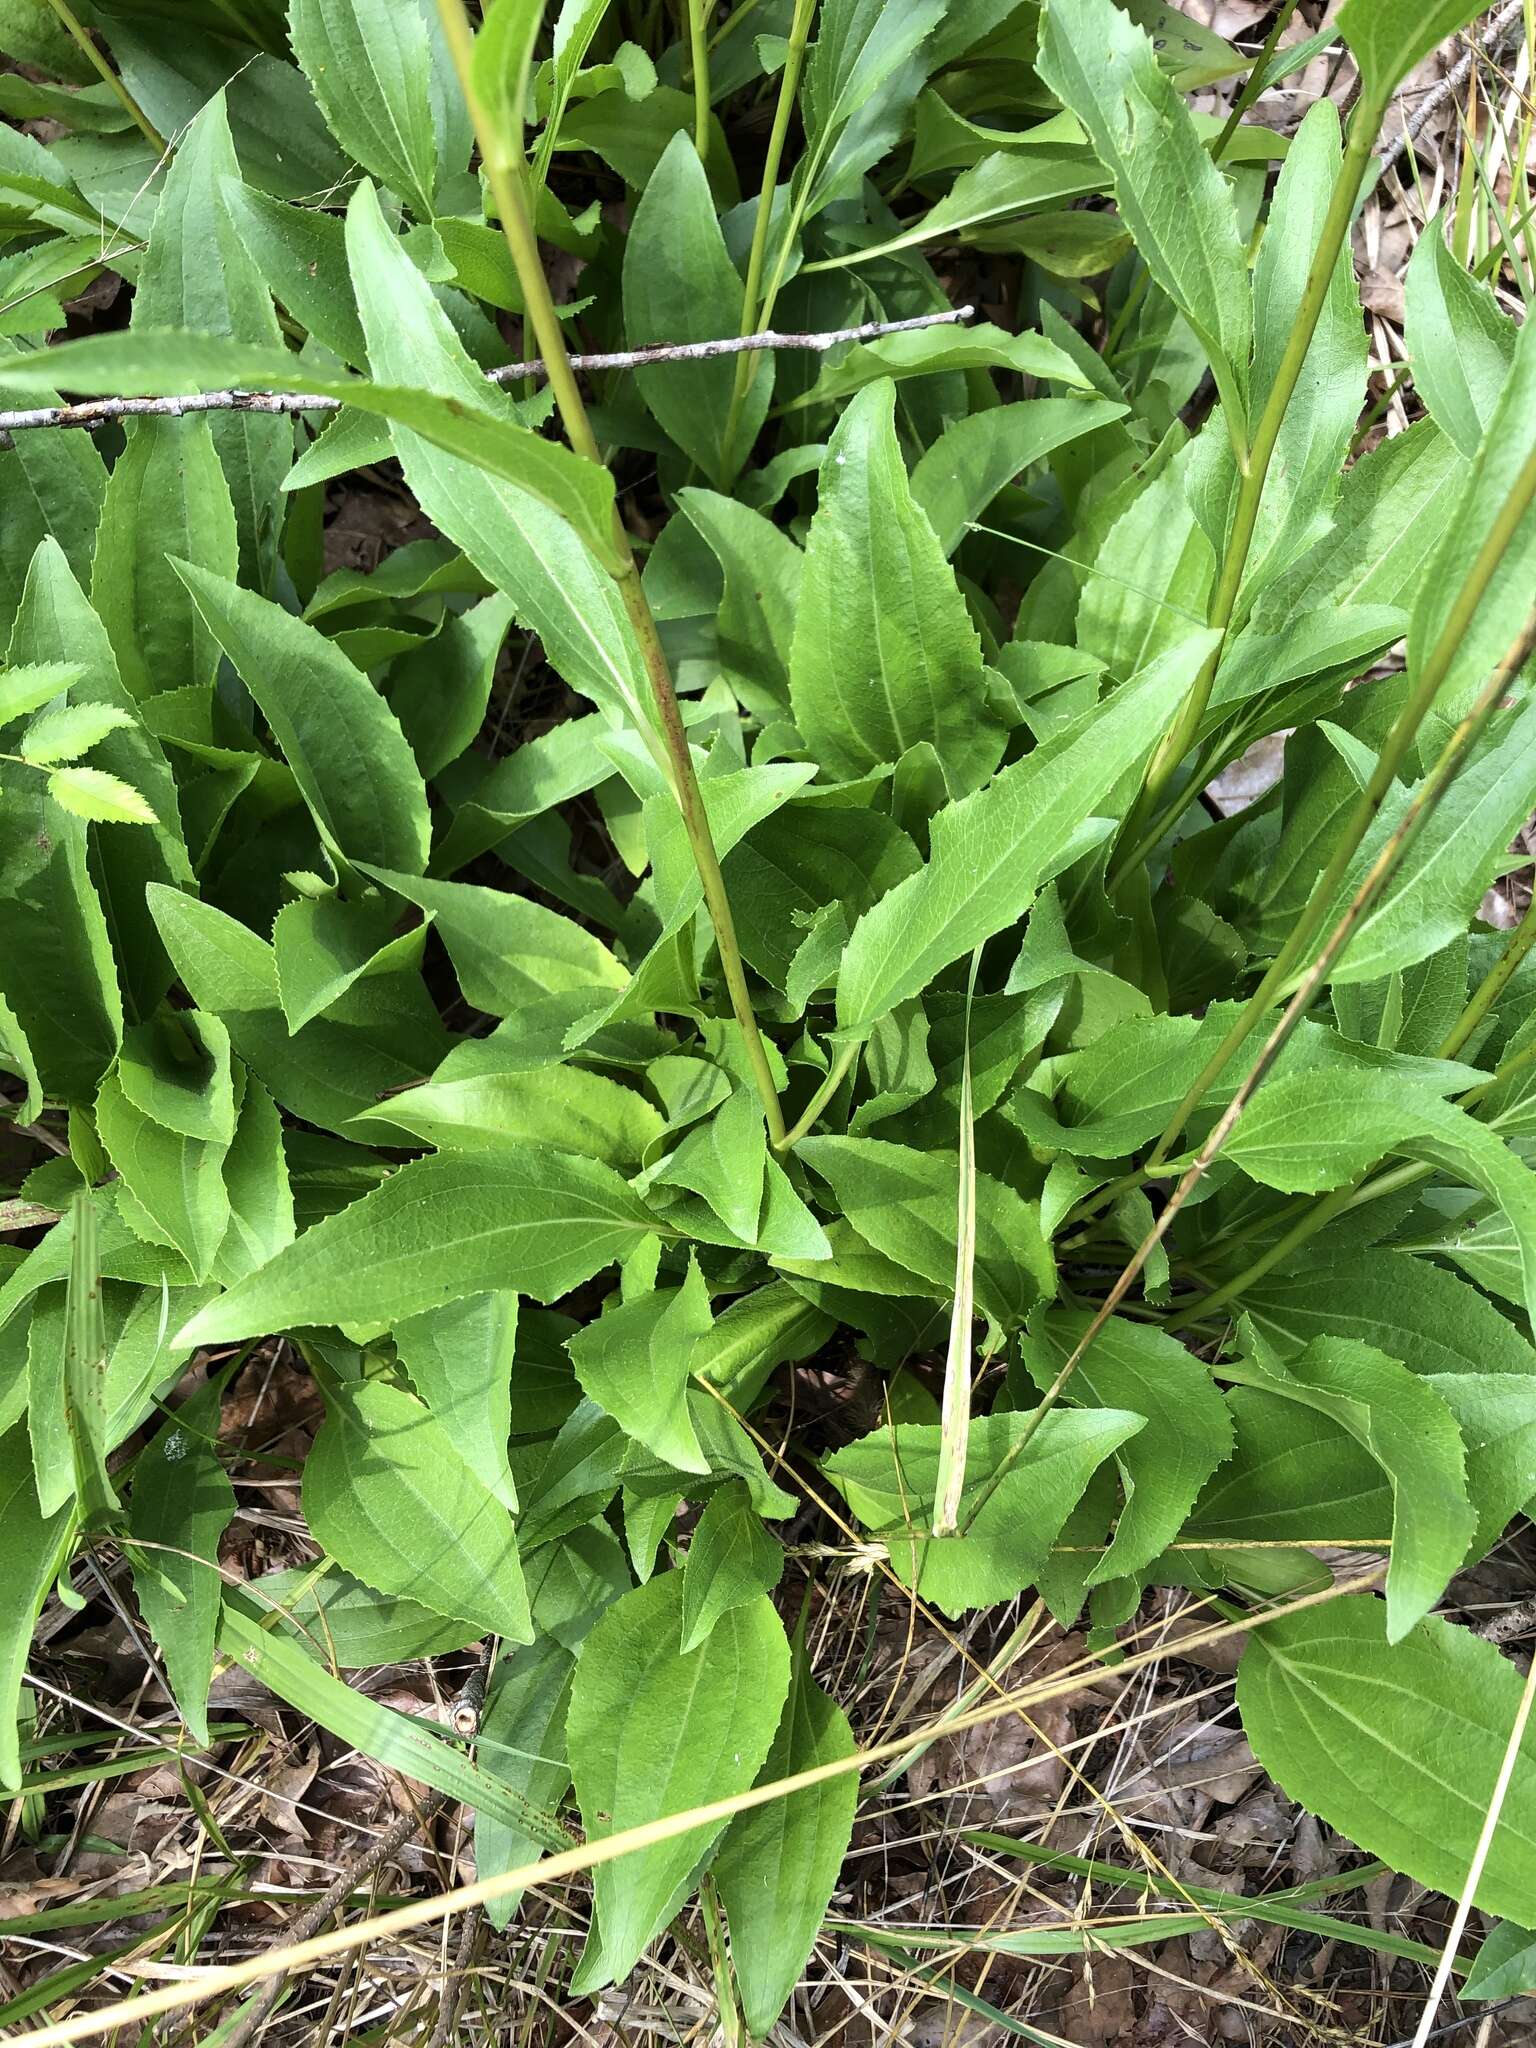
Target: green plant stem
1253,84
835,1076
74,28
698,58
1492,985
789,85
1341,208
1405,727
507,174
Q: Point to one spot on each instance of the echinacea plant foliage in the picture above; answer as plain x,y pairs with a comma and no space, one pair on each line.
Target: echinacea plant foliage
741,893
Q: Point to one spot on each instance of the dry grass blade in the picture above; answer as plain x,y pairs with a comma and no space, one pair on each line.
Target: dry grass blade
955,1421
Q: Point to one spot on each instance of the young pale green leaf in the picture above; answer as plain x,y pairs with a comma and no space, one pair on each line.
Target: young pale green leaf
32,1548
182,1502
368,62
681,285
992,851
778,1864
32,684
343,743
731,1560
1398,1746
884,653
101,799
69,731
460,1360
905,1202
653,1732
634,1362
1188,1430
1388,37
1007,1524
1173,199
391,1499
1461,344
535,1219
1413,1435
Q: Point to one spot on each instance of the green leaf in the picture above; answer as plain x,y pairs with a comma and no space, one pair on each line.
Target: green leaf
884,654
731,1560
507,949
1398,1745
261,1219
1310,1132
536,1220
1295,1476
906,1204
758,1332
1321,416
346,750
1172,198
182,1502
176,1071
32,1548
391,1499
199,274
1007,1523
322,945
460,1359
101,798
778,1864
368,62
1412,1434
1388,37
634,1362
166,498
930,351
959,475
503,58
1507,445
681,285
1188,1431
1000,187
979,879
1496,1414
176,1180
302,254
1461,343
1404,1306
522,1745
479,1109
71,730
341,1618
1505,1965
653,1732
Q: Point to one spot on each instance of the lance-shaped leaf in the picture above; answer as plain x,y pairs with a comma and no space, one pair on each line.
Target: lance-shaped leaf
992,850
368,62
537,1220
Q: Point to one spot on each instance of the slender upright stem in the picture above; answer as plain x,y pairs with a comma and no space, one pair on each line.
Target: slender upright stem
507,173
789,86
74,28
1253,84
698,58
1341,207
1405,727
1492,985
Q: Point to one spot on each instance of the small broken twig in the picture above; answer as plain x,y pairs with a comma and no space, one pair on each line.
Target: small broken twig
95,411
